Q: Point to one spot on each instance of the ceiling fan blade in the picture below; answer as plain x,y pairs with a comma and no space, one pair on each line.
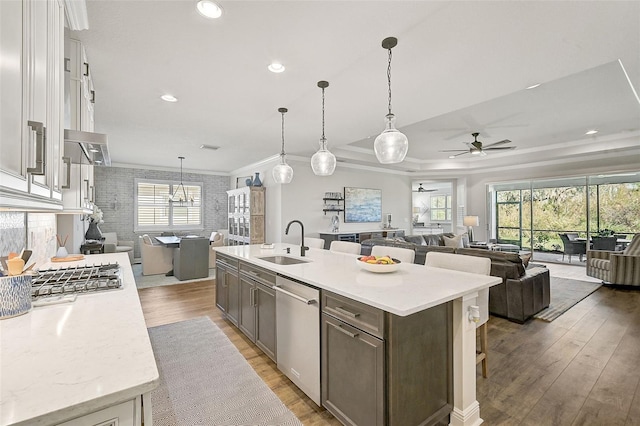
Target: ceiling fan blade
502,142
462,153
454,150
424,190
499,148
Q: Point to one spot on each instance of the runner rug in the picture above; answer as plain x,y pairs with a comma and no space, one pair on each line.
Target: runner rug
204,380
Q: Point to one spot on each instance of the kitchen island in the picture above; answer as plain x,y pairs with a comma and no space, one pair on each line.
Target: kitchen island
405,298
88,357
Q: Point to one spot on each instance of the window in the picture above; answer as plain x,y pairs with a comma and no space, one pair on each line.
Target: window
154,209
440,208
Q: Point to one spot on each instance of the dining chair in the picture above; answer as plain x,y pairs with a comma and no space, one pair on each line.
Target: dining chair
476,265
402,254
312,242
345,247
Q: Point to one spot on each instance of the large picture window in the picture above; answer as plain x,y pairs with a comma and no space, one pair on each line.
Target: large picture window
163,205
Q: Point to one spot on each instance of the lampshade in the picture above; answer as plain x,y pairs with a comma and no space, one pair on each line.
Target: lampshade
323,162
471,221
283,173
416,209
391,145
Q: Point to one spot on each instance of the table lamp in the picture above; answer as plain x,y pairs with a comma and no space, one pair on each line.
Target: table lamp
470,222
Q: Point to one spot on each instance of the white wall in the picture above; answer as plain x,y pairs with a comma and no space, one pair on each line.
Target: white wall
302,199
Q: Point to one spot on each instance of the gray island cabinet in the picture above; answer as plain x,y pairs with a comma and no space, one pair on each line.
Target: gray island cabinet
394,349
383,369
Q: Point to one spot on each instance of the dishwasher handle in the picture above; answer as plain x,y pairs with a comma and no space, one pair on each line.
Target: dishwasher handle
295,296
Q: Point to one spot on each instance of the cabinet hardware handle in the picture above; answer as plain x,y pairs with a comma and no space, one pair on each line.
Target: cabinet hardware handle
41,145
86,182
66,65
348,333
345,312
93,197
86,67
93,96
295,296
67,161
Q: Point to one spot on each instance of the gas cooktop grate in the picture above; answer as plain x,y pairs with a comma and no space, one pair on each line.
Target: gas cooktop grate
76,279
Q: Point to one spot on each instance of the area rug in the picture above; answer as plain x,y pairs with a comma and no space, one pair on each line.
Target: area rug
204,380
145,281
565,293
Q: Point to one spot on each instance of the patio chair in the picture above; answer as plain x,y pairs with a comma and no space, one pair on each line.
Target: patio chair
616,267
572,247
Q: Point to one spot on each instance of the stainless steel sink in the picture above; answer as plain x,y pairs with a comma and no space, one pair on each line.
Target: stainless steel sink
283,260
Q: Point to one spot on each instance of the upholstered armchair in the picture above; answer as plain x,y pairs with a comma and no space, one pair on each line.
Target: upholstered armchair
572,246
215,240
156,258
616,267
113,245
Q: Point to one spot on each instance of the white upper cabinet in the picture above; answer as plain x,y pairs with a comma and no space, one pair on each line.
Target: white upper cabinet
32,101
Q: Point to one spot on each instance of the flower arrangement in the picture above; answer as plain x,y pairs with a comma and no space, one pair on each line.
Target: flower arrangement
96,216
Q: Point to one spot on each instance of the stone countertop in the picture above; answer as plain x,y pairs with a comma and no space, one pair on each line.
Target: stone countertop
410,289
62,361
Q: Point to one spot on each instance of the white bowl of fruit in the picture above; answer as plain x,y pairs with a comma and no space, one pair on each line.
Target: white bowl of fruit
378,264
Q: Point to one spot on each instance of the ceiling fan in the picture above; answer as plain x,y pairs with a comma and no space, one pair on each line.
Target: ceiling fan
421,189
476,148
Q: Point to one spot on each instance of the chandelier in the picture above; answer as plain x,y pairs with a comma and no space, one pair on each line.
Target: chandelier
177,196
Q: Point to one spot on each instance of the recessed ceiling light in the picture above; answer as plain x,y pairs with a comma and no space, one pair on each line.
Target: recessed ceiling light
452,156
533,86
591,132
94,150
209,9
169,98
276,67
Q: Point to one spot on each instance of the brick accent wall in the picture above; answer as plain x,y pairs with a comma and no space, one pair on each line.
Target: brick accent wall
117,183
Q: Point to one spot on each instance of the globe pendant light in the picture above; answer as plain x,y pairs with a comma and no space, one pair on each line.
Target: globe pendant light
391,145
323,162
282,173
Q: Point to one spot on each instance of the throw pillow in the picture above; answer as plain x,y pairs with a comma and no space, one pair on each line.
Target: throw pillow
465,240
455,242
525,259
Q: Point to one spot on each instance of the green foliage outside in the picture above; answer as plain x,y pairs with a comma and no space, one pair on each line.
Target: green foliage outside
564,209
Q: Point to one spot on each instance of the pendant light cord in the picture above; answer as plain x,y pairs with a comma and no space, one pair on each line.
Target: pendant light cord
323,113
282,152
389,79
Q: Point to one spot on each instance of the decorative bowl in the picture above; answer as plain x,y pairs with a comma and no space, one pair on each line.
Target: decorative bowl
378,268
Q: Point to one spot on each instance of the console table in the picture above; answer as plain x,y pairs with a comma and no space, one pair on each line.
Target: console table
359,236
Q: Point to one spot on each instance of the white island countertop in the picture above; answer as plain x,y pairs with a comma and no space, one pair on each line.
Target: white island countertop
62,361
410,289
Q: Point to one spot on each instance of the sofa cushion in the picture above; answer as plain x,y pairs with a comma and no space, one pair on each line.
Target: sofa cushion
633,249
503,264
452,241
600,263
415,239
433,240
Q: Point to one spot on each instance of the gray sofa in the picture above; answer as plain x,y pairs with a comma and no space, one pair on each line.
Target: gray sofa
523,292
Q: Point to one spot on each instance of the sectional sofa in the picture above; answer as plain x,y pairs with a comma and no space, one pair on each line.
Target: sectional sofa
524,291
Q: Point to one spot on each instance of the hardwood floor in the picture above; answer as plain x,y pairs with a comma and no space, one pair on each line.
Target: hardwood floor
581,369
168,304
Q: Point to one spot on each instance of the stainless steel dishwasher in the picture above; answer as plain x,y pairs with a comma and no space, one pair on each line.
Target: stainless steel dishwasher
298,335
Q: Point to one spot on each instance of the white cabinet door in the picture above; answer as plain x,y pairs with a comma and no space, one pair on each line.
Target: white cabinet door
31,89
119,415
13,162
